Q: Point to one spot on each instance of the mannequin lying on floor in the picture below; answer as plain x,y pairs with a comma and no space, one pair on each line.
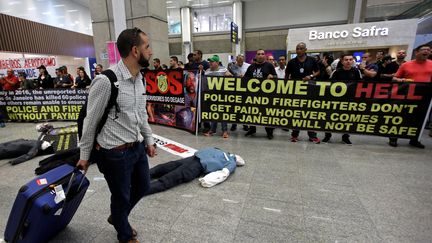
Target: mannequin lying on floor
216,164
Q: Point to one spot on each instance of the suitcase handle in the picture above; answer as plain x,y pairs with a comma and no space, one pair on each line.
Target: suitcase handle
75,171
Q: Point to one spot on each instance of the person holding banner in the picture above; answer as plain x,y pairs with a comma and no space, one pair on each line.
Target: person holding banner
264,70
10,82
417,70
44,80
122,146
347,72
305,68
216,70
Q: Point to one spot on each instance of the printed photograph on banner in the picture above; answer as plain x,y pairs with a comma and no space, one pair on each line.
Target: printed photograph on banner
372,108
164,111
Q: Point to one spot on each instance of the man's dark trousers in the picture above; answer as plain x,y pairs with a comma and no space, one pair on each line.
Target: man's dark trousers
127,175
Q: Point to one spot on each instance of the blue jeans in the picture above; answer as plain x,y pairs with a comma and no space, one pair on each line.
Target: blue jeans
128,178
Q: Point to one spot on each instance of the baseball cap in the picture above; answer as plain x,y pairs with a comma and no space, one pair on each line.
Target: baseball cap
214,58
387,57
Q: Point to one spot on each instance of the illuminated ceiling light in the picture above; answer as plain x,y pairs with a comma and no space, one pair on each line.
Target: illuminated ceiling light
46,13
168,1
71,10
32,8
223,2
171,7
58,5
14,2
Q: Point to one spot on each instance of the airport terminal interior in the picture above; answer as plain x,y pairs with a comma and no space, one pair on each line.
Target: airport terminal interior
367,186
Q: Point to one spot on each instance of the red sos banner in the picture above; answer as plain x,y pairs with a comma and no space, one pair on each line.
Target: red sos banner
165,86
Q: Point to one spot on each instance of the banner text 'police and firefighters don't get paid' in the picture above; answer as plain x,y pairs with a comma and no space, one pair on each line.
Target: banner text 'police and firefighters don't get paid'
374,108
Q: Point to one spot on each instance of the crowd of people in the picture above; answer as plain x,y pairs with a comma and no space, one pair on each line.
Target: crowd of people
381,67
63,79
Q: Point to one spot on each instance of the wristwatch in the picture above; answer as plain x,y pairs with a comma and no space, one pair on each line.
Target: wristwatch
311,76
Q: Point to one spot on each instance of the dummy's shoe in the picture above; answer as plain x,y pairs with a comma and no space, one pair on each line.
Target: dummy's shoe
326,139
294,139
417,144
250,133
346,140
134,232
315,140
393,143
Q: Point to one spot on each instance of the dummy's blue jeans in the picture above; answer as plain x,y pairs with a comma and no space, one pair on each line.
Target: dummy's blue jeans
128,178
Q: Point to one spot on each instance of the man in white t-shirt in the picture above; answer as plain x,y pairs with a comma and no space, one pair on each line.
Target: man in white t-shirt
280,69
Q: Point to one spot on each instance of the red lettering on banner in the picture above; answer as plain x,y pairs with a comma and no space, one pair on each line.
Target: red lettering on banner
381,91
367,90
394,93
411,91
151,82
175,81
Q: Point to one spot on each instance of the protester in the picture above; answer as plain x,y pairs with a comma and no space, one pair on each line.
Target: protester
346,73
216,70
264,70
368,69
122,146
417,70
82,80
24,82
305,68
157,65
44,80
10,82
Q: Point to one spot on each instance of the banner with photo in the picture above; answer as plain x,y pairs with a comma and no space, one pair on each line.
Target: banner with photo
42,104
370,108
172,98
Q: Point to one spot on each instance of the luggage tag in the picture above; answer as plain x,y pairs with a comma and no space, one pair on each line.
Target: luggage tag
60,194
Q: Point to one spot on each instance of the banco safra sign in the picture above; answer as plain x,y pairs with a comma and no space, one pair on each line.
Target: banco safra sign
356,32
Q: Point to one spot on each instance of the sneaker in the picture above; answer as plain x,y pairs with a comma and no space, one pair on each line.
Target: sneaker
294,139
346,140
417,144
225,135
315,140
326,139
393,143
250,133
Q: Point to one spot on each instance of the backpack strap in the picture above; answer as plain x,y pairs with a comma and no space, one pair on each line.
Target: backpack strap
112,102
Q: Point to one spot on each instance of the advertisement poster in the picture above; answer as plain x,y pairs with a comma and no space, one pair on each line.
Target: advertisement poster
173,108
370,108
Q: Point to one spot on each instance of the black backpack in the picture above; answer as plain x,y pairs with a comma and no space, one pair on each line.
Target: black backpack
111,103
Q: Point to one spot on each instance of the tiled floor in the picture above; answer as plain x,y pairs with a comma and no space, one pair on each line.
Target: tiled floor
286,192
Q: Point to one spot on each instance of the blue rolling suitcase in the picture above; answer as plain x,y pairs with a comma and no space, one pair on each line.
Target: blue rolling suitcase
46,205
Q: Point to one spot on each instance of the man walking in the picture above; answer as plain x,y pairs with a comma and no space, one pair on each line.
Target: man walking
119,150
